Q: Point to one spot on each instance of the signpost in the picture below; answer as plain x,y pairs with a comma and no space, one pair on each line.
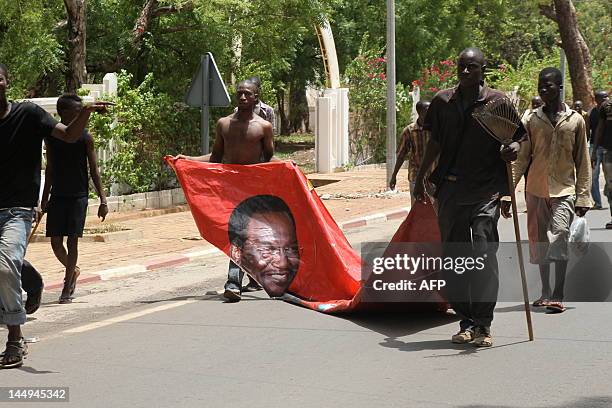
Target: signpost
207,90
391,114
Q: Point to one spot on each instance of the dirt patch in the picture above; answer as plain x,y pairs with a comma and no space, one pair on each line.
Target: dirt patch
296,147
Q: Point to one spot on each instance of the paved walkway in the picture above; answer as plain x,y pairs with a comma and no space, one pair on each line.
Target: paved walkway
354,195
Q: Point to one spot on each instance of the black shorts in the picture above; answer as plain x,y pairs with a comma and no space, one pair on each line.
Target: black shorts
66,216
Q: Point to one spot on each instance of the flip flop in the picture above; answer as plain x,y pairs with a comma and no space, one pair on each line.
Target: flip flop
555,307
541,302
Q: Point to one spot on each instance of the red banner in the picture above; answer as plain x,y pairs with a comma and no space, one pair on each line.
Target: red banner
270,221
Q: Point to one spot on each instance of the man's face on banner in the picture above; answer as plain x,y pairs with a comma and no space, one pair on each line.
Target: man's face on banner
270,253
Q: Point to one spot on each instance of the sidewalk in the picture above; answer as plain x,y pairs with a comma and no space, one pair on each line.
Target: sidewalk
354,199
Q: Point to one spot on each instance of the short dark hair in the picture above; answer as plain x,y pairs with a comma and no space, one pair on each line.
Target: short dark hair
4,69
242,214
555,72
247,82
256,81
478,54
422,104
67,101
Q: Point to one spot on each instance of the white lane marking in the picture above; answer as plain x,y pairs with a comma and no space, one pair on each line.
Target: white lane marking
128,316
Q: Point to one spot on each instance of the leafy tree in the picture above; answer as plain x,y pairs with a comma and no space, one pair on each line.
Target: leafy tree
29,46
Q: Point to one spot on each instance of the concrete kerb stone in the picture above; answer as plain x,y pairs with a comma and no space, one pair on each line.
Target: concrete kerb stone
123,271
375,218
197,253
143,266
178,196
152,199
117,236
165,198
140,201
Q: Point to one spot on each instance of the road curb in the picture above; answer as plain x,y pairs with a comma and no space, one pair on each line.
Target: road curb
375,218
145,265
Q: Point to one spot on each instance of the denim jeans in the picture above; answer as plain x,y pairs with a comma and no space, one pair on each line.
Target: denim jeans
595,186
234,276
15,226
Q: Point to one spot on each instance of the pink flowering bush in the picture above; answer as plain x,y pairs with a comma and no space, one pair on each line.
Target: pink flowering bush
439,76
366,79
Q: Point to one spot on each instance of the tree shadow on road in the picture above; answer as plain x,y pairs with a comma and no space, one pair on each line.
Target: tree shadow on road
32,370
398,324
394,325
521,308
205,298
585,402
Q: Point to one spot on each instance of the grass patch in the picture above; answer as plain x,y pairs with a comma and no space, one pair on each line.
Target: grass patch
298,147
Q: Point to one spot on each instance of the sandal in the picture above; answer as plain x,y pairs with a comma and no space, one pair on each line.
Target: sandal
77,273
541,302
482,338
65,298
14,354
555,307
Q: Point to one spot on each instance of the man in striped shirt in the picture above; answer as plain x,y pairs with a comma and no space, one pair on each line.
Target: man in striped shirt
414,140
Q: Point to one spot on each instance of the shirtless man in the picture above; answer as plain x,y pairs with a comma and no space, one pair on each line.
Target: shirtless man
241,138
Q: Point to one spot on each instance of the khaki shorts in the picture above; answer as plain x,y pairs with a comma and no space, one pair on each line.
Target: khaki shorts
548,225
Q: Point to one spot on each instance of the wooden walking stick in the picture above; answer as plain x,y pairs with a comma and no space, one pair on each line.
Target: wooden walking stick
519,248
35,228
500,119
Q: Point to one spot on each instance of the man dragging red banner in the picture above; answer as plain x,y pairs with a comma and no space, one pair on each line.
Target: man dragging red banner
276,229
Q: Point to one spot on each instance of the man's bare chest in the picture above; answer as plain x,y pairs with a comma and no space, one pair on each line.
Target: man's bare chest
245,132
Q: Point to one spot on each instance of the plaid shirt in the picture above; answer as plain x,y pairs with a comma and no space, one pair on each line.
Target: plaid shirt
414,140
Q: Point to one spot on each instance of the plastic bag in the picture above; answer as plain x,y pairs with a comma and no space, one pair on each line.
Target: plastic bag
579,236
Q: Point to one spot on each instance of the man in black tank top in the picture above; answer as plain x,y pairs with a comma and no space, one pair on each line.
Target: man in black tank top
67,179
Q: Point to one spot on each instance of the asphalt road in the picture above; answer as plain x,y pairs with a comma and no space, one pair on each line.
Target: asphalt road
157,340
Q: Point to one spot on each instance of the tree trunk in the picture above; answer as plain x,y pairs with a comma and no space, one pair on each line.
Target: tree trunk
299,108
76,74
576,50
282,100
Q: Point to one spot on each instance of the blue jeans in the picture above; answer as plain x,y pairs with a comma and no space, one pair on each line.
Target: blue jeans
15,225
595,186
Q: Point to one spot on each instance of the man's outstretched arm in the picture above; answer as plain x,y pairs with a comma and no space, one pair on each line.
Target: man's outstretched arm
74,130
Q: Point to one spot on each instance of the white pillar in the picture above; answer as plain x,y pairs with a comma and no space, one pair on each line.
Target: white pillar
324,162
110,84
342,110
